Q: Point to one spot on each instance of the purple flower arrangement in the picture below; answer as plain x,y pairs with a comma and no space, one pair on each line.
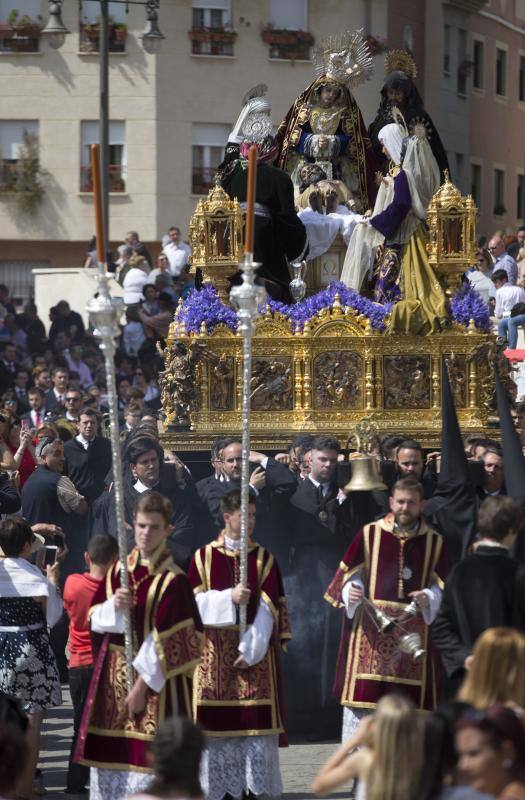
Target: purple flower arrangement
466,305
205,306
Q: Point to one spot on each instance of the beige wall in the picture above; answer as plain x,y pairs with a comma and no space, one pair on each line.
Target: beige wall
159,98
497,123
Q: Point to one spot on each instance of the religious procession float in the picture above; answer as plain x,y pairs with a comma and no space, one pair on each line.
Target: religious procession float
361,240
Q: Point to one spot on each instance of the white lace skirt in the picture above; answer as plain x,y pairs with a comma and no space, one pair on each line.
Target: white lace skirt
113,784
351,720
237,764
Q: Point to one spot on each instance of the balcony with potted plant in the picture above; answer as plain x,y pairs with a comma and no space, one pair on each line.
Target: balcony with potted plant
212,41
90,36
20,34
287,44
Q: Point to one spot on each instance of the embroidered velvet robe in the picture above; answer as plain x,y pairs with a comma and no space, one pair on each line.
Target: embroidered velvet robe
229,701
165,607
391,564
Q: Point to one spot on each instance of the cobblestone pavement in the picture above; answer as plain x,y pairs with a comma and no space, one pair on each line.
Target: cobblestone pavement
299,762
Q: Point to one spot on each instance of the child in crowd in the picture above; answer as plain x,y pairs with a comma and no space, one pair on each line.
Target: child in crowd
79,591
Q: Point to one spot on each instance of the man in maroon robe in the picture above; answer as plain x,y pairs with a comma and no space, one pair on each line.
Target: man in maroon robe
118,726
237,686
395,563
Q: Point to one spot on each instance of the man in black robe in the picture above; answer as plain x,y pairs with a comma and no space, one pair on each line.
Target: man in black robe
279,234
148,473
485,590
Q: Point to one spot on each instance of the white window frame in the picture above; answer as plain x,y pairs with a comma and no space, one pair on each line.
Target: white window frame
205,136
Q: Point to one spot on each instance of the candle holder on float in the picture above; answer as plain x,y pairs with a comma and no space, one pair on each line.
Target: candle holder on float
451,220
216,239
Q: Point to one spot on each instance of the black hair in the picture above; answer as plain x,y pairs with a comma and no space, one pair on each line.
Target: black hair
409,444
499,275
141,445
15,532
102,549
326,442
231,502
177,750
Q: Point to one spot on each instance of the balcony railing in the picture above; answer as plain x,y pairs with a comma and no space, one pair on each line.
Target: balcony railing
90,37
19,38
212,41
117,182
290,45
203,178
8,175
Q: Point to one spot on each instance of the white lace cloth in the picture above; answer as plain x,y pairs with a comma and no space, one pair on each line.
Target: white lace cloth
241,764
113,784
351,720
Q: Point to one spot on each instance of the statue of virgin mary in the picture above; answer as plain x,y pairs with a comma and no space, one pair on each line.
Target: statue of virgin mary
324,125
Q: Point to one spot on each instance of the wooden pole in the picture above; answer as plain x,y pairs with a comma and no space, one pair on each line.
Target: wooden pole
97,200
250,200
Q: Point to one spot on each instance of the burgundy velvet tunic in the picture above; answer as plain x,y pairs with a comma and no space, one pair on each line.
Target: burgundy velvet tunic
229,701
391,564
165,606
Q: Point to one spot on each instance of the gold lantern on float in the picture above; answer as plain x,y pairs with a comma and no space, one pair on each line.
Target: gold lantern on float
451,219
216,239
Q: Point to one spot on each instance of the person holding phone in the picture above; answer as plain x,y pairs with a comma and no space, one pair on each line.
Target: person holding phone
20,442
29,603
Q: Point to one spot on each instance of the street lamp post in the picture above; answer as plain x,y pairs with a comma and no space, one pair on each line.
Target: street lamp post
55,31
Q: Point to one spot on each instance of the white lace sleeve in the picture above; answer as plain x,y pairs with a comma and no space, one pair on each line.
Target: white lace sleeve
106,618
434,594
54,606
216,607
255,641
351,608
147,664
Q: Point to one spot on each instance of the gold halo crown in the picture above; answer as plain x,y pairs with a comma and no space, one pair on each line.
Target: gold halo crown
344,59
400,61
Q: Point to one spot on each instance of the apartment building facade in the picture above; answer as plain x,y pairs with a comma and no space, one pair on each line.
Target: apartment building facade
170,113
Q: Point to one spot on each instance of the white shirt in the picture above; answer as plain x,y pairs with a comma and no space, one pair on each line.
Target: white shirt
482,284
84,442
506,298
177,255
132,285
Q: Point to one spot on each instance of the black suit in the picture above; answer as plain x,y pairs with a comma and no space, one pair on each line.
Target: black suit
51,403
88,468
7,375
180,542
485,590
280,483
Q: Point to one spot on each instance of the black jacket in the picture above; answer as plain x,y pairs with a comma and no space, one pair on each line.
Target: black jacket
9,497
88,468
485,590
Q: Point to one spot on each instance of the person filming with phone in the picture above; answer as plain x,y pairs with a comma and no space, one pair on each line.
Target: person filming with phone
29,603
